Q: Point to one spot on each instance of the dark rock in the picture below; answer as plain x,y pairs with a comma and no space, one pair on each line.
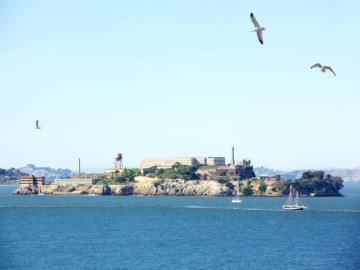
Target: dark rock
25,191
122,190
106,190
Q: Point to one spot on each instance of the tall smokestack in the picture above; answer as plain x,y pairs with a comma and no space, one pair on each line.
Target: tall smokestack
232,156
79,166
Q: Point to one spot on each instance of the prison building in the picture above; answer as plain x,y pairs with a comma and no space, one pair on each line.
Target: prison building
190,161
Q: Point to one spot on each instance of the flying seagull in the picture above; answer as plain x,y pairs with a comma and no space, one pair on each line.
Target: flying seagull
323,68
37,124
257,28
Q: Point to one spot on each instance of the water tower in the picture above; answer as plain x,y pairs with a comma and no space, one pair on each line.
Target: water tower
118,163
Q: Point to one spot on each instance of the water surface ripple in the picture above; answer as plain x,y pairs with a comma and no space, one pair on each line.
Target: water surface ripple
144,232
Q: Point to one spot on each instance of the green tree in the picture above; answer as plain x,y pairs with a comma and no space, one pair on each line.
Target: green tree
317,182
247,191
223,179
222,172
313,174
337,183
120,179
262,188
229,185
159,172
130,174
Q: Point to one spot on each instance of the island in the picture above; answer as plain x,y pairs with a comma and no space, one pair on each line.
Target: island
184,180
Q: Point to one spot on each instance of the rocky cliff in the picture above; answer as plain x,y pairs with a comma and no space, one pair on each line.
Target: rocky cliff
148,188
181,188
76,190
175,187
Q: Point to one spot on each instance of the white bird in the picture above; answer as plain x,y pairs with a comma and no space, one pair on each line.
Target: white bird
323,68
257,28
37,124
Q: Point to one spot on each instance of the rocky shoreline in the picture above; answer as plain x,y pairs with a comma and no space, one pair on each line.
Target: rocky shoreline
154,187
173,188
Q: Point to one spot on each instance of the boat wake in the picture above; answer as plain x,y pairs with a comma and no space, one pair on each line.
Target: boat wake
199,207
265,209
230,208
335,210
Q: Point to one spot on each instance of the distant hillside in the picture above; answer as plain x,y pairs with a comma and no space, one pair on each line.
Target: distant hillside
12,175
47,172
347,175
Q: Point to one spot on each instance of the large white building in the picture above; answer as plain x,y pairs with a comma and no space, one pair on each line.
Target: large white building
73,181
191,161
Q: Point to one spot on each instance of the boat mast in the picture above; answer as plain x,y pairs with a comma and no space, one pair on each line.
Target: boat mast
237,191
290,202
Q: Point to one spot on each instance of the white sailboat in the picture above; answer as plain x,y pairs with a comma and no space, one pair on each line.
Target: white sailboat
39,191
293,203
237,199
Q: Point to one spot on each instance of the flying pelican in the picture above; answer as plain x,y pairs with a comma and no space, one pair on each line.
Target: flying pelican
257,28
37,124
323,68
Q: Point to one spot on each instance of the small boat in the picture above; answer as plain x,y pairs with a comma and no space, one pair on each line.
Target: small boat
237,198
293,203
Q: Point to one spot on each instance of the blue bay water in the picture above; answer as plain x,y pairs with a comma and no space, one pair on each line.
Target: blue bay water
135,232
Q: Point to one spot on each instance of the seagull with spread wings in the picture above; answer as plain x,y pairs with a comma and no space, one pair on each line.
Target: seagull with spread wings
323,68
257,28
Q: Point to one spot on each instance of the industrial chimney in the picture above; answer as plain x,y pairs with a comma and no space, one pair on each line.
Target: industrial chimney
79,167
232,157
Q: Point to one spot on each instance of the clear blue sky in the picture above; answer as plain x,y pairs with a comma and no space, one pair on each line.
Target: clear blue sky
179,78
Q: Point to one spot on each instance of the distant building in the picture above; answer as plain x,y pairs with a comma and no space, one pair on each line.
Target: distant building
148,170
244,163
31,180
191,161
264,177
113,170
215,161
74,181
